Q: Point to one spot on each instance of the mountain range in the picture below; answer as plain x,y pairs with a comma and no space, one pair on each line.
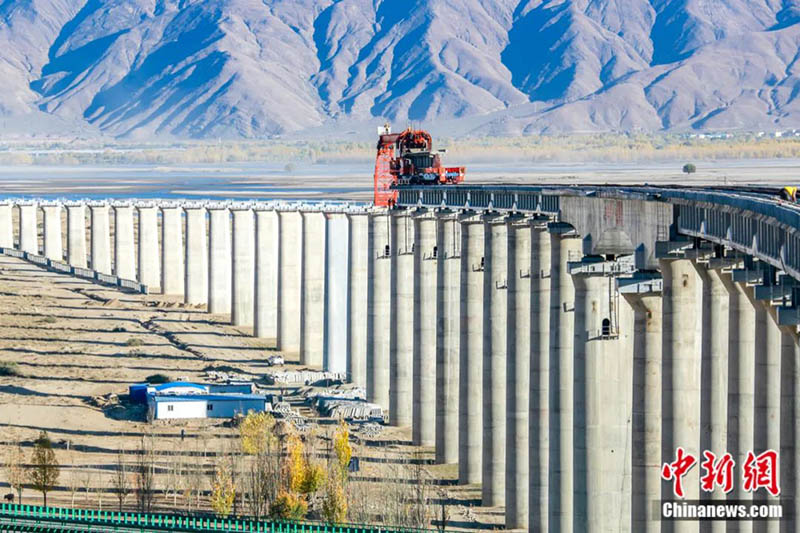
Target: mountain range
258,68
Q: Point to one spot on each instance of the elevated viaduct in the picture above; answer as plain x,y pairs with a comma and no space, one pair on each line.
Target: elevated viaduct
559,344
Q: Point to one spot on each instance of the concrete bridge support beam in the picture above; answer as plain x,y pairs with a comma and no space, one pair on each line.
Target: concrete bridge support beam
243,268
28,230
562,328
790,423
101,239
646,410
124,254
495,313
470,404
448,333
682,297
357,270
196,279
172,268
518,344
768,379
602,393
6,226
312,324
53,248
219,261
745,321
715,338
402,340
379,319
76,235
425,325
337,317
266,290
149,258
540,381
290,270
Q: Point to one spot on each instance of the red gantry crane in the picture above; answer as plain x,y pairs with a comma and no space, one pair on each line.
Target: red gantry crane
407,158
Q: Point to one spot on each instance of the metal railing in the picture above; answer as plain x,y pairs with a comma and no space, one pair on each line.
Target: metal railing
188,523
78,272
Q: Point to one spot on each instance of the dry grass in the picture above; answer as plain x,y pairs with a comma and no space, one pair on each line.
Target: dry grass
534,148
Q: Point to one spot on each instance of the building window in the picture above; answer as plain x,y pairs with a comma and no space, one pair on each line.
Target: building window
606,328
169,407
210,407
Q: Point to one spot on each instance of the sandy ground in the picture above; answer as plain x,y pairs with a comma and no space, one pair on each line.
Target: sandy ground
72,341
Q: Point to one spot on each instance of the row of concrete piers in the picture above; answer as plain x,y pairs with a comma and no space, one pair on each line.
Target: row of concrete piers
560,382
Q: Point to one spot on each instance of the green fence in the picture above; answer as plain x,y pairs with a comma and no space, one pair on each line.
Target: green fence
174,522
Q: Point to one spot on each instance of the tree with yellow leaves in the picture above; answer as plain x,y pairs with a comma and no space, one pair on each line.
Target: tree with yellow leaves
222,492
334,505
288,506
294,467
15,469
342,448
255,432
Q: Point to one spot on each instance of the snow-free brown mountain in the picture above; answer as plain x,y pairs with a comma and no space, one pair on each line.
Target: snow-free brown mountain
256,68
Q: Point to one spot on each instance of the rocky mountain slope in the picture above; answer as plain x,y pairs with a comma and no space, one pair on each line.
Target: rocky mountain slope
254,68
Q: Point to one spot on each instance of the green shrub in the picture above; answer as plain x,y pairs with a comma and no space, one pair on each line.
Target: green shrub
9,368
689,168
157,379
48,320
134,342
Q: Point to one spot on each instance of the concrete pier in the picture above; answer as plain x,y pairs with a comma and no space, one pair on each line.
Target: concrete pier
53,248
196,275
28,230
426,263
266,290
357,272
76,236
790,420
540,384
646,410
219,261
518,368
562,322
470,404
742,366
243,268
101,239
602,393
124,253
312,322
768,377
402,330
682,347
379,319
172,268
149,256
495,312
6,226
448,329
715,338
290,271
337,314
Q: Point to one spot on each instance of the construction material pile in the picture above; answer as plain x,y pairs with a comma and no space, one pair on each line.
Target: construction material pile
304,377
349,409
275,360
353,393
370,430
